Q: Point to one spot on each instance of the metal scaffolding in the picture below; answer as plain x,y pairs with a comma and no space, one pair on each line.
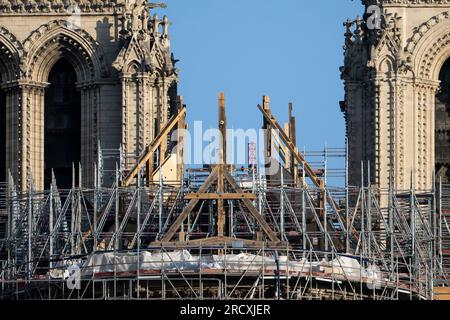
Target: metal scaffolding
224,233
49,231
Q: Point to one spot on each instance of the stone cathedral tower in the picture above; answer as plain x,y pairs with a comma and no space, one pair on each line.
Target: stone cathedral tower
75,74
397,102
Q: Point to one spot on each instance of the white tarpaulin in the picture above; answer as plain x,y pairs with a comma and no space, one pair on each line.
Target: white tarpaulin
111,262
344,266
130,262
244,262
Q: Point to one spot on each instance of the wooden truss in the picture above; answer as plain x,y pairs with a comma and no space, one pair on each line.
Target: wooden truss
214,189
272,123
295,157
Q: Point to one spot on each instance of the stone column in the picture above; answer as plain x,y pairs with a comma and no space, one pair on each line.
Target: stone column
137,114
149,108
425,104
125,140
90,96
141,142
355,96
13,131
129,114
25,132
163,109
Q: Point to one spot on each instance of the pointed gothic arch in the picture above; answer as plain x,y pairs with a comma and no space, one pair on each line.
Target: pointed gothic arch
43,49
59,39
10,53
442,125
429,50
62,125
110,117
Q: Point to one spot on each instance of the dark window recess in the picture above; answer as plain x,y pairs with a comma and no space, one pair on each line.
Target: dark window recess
62,125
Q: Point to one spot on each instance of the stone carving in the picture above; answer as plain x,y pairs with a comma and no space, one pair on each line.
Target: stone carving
59,6
126,79
420,31
12,49
391,77
34,47
136,17
45,6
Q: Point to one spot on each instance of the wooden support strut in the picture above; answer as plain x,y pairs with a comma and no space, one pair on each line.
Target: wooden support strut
182,127
195,200
191,205
253,211
218,196
219,175
240,195
298,156
222,124
292,148
222,242
292,135
148,154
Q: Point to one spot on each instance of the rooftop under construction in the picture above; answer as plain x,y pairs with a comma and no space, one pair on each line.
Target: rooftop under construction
224,231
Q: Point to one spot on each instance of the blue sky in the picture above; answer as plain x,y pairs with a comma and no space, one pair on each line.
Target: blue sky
290,50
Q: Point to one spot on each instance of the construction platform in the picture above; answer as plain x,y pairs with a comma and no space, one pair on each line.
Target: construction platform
223,231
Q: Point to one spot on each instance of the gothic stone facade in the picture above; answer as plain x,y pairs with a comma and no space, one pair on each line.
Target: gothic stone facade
125,77
394,77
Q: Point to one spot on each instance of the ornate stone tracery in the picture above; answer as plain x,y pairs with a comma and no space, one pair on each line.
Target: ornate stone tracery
116,44
11,50
59,6
43,45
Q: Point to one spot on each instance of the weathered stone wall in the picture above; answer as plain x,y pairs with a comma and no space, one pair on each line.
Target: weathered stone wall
124,70
391,79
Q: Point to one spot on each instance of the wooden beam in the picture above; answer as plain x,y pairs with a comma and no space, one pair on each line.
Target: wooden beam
223,196
222,124
268,154
223,130
292,148
280,145
148,154
222,242
442,293
191,205
293,138
181,143
253,211
299,157
287,161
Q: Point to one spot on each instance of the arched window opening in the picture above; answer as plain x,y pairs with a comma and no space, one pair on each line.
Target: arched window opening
62,124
